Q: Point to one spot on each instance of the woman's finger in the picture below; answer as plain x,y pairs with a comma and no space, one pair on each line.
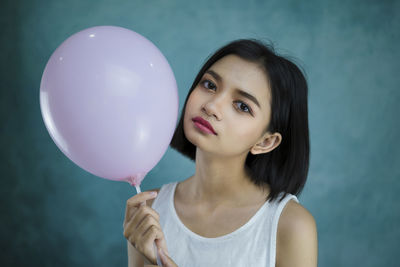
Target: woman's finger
129,233
145,223
162,244
135,202
141,197
165,259
145,210
148,239
138,225
140,215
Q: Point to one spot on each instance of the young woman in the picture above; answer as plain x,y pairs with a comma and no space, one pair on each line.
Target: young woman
245,124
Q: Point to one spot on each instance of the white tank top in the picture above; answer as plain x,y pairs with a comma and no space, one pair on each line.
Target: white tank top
253,244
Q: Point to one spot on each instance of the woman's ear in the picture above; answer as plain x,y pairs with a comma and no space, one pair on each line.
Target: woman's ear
268,143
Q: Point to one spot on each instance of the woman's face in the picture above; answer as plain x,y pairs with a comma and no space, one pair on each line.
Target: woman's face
219,98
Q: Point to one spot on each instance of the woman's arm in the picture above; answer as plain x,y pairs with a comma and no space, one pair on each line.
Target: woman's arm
297,243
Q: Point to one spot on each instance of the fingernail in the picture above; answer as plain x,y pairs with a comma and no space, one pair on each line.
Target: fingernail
153,193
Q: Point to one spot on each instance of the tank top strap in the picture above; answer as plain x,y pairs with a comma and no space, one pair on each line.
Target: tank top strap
164,194
277,208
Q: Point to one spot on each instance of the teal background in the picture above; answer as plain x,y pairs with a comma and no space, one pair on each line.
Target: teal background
55,214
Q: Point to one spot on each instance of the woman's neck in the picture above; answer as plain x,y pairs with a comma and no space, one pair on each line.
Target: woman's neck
222,181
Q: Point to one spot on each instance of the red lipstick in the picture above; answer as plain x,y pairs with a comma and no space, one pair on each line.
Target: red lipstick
203,125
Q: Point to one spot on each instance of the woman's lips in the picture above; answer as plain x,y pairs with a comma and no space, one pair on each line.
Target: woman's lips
203,125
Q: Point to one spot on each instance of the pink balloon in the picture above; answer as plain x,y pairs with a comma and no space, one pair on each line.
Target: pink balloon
109,101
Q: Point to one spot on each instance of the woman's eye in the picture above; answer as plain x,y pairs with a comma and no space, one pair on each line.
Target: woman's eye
243,107
240,105
208,84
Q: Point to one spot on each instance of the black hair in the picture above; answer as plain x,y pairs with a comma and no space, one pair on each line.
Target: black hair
285,168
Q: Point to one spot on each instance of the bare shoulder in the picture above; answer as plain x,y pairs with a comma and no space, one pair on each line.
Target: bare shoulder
296,237
150,201
296,217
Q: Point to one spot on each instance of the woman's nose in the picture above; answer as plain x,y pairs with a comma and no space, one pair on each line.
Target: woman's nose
213,108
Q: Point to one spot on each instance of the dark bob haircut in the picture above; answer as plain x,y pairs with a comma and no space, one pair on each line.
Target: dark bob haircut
285,168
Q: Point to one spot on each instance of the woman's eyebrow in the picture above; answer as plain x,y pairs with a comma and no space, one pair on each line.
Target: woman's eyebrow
240,92
215,75
248,96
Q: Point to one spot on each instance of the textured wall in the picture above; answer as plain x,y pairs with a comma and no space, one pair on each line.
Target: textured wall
55,214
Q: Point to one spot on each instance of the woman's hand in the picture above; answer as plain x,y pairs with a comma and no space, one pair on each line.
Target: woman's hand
165,259
142,227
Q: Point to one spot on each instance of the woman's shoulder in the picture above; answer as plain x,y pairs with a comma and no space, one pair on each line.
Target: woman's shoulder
296,236
295,217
